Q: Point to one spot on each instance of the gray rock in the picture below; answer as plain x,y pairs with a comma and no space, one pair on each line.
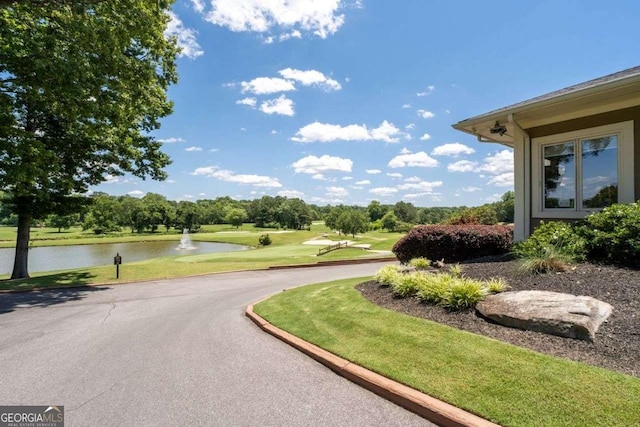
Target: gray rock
552,313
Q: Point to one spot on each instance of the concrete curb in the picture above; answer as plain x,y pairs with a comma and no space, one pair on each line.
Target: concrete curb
427,407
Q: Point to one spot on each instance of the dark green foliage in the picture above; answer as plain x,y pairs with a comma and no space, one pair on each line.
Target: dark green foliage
557,236
613,235
454,242
264,240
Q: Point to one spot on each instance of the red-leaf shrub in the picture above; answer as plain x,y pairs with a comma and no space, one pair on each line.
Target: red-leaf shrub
454,242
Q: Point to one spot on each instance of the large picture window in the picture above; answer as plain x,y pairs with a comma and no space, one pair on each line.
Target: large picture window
579,172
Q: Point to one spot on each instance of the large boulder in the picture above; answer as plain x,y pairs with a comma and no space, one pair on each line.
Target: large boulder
548,312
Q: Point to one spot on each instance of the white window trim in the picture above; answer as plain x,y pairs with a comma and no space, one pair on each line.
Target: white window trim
624,131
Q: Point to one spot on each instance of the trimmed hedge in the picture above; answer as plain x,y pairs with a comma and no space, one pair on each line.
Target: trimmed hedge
454,242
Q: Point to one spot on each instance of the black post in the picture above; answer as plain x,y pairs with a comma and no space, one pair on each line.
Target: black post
117,260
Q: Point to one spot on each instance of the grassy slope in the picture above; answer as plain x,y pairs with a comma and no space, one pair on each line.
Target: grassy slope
504,383
286,249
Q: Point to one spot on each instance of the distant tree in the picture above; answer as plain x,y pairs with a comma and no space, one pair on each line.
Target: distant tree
352,221
485,214
188,216
104,214
332,218
375,210
235,217
505,207
390,221
62,221
406,212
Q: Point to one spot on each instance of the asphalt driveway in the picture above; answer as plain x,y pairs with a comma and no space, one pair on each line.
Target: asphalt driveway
176,352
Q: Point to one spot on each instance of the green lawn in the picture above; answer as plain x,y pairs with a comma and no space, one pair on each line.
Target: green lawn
506,384
287,248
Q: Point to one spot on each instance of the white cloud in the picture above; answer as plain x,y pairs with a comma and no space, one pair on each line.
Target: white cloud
499,163
198,5
471,189
426,114
347,178
281,105
383,191
337,192
373,171
420,159
274,132
322,132
186,37
251,102
267,85
320,18
430,89
135,193
502,180
386,132
310,77
394,175
313,165
462,166
405,150
228,176
410,126
405,106
425,137
363,182
319,177
192,149
291,194
453,149
424,187
413,179
171,140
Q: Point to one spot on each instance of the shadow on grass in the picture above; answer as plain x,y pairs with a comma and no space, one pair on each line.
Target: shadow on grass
46,297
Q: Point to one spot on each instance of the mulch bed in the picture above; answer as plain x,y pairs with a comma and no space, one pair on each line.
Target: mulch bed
617,343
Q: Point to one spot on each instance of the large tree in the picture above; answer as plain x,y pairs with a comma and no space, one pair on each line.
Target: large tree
81,87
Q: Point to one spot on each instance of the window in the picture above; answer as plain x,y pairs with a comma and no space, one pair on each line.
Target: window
580,172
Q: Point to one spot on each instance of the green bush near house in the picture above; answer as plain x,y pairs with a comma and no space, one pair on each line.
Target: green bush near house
613,235
554,237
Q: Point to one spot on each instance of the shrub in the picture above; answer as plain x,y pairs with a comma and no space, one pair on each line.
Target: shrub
420,263
547,259
264,240
406,285
454,242
613,235
463,293
559,235
387,275
496,285
455,270
434,287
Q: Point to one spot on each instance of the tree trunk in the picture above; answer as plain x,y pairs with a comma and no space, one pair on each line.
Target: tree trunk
20,269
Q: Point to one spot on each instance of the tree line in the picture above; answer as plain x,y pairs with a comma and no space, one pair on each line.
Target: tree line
103,213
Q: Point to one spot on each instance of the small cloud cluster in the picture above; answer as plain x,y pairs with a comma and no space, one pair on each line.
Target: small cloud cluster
497,167
245,179
275,20
287,83
324,132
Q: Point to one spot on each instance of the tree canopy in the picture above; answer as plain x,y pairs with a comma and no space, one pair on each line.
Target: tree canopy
81,87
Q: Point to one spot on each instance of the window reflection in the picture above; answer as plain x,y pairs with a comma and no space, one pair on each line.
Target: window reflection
599,172
559,176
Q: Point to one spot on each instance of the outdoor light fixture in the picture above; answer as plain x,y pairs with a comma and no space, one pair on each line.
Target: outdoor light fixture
498,128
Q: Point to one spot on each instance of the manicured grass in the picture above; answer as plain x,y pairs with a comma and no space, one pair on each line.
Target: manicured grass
287,248
506,384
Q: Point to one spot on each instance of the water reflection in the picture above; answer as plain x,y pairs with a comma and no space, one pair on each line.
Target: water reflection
68,257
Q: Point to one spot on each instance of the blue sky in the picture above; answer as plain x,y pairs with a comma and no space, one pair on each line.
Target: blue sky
351,101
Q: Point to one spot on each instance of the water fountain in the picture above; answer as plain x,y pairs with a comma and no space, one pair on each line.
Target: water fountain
185,241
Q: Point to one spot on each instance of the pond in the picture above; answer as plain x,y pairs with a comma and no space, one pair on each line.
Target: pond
78,256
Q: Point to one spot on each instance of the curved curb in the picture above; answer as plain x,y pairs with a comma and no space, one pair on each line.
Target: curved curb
417,402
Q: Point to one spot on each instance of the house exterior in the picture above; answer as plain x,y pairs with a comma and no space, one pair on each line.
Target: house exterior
576,150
